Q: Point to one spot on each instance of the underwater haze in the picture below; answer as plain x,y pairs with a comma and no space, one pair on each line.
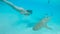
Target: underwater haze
12,22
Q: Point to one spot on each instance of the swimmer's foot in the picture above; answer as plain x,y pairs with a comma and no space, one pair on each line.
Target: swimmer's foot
28,12
25,13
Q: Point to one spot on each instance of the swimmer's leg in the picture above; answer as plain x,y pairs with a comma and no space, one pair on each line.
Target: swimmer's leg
19,9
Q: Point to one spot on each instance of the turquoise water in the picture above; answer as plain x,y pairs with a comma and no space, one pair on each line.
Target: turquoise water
12,22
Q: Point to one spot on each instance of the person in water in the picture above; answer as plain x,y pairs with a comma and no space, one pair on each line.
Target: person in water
19,9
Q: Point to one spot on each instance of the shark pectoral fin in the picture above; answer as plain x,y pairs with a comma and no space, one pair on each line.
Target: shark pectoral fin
48,28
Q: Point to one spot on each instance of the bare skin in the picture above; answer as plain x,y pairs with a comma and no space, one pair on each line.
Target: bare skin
42,23
19,9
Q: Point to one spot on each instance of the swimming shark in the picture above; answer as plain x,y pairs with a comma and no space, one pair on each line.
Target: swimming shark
42,23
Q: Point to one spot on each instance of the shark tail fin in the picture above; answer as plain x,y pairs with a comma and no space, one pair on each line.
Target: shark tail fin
48,27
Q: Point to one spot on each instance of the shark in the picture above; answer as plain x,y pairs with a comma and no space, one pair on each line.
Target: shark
42,23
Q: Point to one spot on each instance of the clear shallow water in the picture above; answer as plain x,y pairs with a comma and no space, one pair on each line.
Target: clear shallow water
12,22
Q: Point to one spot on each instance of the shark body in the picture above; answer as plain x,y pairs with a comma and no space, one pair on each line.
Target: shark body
42,23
